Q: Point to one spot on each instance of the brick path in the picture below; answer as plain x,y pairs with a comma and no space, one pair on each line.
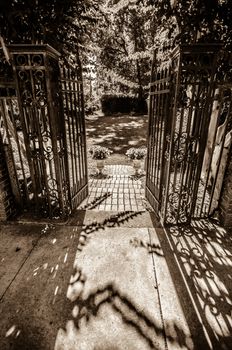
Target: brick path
116,190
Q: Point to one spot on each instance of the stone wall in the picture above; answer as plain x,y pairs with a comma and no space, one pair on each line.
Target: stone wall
7,205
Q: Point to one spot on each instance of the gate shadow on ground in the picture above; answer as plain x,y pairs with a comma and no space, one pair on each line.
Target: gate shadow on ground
85,310
199,258
114,220
35,305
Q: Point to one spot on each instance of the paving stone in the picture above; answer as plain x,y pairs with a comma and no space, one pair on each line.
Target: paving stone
126,192
108,207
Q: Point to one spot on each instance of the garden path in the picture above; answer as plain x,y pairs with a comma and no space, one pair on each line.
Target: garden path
117,189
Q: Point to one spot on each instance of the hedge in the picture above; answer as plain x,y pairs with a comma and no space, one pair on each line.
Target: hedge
112,104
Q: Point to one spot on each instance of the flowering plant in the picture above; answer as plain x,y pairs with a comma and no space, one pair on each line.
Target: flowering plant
136,153
99,152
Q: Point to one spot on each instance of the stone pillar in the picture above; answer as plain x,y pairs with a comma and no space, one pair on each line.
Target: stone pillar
7,206
225,204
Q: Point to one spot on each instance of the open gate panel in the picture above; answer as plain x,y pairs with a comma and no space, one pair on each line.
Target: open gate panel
74,120
189,136
43,132
159,123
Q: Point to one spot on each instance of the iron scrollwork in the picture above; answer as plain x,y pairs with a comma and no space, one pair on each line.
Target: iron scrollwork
179,147
32,82
178,207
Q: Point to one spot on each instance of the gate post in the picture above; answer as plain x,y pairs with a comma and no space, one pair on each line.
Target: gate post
36,71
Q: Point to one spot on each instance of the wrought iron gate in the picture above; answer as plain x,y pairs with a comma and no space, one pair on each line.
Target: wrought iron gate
189,134
74,119
159,124
44,133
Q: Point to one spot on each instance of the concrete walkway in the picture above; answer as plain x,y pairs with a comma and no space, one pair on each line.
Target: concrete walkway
115,279
104,285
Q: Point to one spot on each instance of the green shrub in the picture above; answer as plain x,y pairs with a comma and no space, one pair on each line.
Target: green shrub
136,153
112,104
99,152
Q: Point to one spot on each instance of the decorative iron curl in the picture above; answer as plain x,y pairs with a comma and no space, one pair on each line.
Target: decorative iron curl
180,154
37,60
27,98
48,152
21,60
179,205
39,75
24,76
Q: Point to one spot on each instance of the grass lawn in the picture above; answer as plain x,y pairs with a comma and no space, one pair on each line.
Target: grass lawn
118,133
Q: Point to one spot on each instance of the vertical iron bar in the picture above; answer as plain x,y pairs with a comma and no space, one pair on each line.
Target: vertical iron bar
156,123
22,114
85,179
162,116
173,122
79,134
62,100
70,145
72,135
53,129
150,124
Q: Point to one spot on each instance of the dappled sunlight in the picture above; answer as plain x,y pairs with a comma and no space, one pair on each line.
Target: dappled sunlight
131,123
204,255
117,132
100,284
132,143
109,307
36,302
127,326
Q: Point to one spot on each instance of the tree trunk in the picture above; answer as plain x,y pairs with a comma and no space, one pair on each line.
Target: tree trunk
140,90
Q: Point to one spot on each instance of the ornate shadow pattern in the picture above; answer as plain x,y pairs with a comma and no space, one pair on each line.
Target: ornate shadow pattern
204,255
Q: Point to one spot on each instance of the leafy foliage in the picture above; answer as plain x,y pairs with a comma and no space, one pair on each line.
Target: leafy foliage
192,21
99,152
61,23
125,39
136,153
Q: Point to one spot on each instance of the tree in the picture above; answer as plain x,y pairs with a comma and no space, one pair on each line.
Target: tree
125,42
192,21
64,24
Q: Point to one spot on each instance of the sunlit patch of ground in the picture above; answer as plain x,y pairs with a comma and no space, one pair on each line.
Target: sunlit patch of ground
118,133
